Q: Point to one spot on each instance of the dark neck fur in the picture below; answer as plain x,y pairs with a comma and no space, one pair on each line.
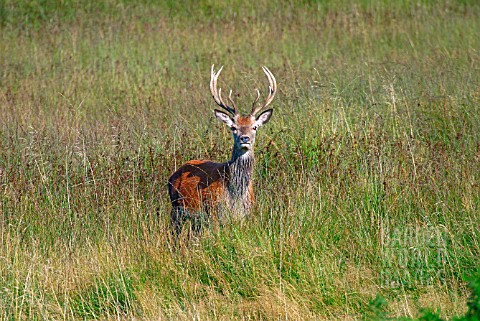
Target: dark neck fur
240,173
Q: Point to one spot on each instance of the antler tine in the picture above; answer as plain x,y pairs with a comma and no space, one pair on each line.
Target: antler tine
217,95
272,89
272,86
230,99
255,101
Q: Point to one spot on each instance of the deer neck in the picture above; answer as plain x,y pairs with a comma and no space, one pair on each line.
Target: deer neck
240,169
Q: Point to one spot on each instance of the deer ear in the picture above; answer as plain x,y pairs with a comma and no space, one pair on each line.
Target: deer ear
223,117
264,117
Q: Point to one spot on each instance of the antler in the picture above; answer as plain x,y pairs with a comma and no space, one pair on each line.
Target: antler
217,95
272,89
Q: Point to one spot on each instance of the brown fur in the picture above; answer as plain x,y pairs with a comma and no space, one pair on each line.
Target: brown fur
197,182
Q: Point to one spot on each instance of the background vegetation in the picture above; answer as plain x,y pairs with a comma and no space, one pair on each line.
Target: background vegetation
367,177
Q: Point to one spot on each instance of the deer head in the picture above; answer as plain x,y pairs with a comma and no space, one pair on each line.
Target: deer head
243,128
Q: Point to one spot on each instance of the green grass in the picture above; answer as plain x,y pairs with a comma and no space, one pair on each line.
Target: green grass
366,177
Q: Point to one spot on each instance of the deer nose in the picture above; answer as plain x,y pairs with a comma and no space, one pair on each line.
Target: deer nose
244,139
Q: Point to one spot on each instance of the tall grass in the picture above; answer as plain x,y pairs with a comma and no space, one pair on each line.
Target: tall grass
366,177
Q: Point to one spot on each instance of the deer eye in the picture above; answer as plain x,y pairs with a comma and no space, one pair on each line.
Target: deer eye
254,127
233,128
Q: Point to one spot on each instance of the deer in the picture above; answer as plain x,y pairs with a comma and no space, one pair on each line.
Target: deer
221,190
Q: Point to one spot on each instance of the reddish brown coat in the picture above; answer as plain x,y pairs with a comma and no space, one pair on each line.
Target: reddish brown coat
198,183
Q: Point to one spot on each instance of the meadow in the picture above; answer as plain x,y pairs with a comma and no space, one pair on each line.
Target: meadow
366,177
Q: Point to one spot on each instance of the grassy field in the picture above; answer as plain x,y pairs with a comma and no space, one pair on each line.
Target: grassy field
367,176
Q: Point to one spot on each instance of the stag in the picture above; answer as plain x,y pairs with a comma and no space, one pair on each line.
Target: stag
203,188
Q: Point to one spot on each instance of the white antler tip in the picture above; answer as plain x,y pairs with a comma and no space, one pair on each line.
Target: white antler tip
215,74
